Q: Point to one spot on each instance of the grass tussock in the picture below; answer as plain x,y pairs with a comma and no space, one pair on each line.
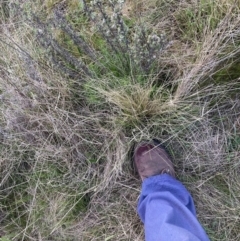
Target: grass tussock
82,82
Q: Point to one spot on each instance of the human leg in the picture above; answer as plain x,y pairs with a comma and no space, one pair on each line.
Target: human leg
167,210
165,206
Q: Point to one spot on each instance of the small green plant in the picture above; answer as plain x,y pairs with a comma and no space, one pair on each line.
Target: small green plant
136,45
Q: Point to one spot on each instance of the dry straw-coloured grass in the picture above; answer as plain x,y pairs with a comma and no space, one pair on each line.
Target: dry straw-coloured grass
65,144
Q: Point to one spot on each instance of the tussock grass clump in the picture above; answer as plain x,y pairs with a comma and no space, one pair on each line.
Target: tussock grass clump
81,82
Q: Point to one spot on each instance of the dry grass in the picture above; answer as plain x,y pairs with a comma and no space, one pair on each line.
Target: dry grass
65,143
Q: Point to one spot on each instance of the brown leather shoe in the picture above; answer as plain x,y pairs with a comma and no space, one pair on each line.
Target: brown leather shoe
151,159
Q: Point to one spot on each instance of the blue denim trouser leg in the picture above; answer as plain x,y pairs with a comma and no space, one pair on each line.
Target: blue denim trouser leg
167,210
